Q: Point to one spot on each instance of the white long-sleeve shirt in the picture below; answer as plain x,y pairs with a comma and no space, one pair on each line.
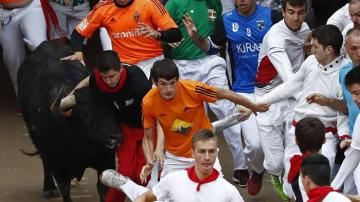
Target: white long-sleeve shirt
285,50
314,78
340,18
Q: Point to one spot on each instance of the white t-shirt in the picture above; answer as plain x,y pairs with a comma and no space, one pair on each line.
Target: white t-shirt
178,187
335,197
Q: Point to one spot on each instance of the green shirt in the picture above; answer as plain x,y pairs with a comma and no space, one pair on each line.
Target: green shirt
204,14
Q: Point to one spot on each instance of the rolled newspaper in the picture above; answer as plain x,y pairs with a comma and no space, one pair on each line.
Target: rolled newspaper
227,121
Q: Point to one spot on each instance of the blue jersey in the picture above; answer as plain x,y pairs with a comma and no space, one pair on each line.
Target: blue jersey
244,35
352,106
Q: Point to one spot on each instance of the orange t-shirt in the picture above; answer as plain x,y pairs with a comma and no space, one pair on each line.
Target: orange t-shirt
181,116
121,24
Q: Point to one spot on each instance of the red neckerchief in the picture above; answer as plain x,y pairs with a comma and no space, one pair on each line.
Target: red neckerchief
319,193
104,87
193,177
295,165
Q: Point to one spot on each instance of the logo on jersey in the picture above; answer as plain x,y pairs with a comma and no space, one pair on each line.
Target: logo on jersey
248,31
212,15
248,47
181,127
235,26
260,25
83,24
137,16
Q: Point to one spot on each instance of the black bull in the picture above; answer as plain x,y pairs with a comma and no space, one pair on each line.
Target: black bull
67,146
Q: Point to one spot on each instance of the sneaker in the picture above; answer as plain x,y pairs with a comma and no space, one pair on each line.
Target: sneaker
112,178
241,177
254,183
278,187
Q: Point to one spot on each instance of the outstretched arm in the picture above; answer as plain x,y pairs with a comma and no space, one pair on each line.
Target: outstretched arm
339,105
211,44
240,100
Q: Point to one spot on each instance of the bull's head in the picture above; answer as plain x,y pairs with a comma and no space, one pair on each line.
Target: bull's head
95,118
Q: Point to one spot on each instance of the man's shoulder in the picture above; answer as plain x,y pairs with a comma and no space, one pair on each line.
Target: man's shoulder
151,97
336,196
133,69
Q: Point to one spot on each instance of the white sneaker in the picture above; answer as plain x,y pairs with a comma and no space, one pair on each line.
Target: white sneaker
112,178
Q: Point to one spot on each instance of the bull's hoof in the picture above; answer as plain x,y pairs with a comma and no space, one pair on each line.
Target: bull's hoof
51,194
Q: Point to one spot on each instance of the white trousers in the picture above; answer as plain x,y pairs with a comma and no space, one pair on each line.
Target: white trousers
20,26
273,129
211,70
146,65
68,18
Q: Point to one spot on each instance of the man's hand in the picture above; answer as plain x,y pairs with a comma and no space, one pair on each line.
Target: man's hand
308,46
260,107
318,99
159,157
145,172
345,143
146,30
190,26
76,56
245,113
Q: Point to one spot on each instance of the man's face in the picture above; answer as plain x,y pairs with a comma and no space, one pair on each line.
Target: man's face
245,7
355,93
167,88
205,153
354,11
122,2
294,16
319,51
352,44
111,77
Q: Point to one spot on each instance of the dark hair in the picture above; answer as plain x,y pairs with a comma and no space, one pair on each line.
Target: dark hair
353,31
295,3
203,134
329,35
353,77
310,134
165,69
108,60
317,168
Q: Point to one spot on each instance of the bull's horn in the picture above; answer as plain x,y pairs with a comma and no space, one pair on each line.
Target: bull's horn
68,102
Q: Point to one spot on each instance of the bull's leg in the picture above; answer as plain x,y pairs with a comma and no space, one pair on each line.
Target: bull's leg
49,188
101,189
64,188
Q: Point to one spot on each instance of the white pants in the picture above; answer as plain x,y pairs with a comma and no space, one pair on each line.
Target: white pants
21,25
146,65
273,129
174,163
211,70
68,18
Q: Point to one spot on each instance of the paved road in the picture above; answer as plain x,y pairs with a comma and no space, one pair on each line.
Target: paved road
21,176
